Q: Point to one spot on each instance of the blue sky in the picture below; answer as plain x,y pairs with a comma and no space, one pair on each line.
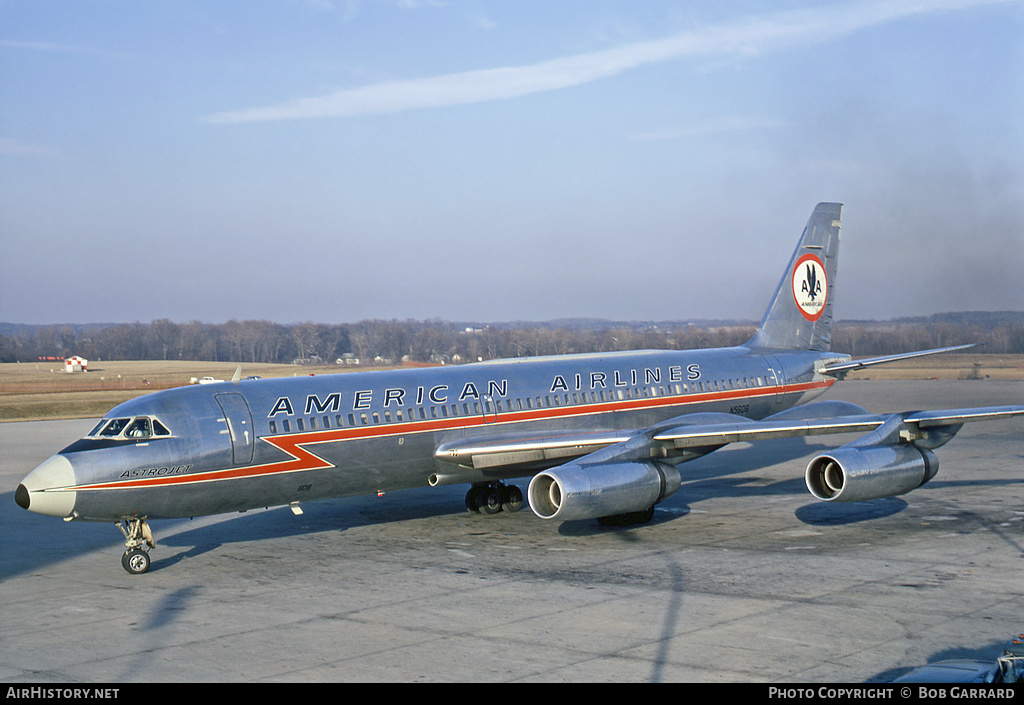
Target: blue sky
335,160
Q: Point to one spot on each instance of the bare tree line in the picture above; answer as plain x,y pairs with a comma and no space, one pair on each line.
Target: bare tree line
437,341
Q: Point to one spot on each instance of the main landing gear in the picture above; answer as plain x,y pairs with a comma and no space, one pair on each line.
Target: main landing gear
494,497
138,541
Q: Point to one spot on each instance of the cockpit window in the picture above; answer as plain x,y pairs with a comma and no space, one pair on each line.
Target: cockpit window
114,427
139,427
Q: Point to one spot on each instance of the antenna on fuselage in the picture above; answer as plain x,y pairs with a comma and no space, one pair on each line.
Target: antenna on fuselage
235,378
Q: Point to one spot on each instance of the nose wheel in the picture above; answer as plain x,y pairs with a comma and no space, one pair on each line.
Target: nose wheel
138,540
135,561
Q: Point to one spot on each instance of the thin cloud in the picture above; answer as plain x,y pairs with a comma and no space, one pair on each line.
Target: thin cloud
13,147
54,48
749,36
701,129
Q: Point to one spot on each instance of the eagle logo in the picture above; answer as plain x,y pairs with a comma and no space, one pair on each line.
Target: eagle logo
810,286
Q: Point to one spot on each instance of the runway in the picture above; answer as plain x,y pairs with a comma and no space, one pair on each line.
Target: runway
742,576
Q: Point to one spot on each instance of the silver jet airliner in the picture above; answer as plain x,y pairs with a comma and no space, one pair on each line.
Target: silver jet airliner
601,435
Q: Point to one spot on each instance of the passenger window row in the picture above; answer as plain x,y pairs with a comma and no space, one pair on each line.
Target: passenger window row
488,407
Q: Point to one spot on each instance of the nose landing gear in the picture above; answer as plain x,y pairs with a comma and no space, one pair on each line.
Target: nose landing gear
138,541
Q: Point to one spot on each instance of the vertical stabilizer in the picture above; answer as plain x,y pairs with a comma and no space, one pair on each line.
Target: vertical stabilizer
800,314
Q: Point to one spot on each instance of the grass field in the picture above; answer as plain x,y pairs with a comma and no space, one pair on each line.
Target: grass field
962,366
36,391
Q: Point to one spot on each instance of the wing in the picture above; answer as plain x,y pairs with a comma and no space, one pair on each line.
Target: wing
614,472
478,459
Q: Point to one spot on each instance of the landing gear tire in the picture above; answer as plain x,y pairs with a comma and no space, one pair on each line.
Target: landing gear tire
511,499
494,497
490,501
138,541
135,561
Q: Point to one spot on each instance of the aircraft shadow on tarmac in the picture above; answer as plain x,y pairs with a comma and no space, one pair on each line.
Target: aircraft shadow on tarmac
711,476
42,541
329,515
36,542
985,653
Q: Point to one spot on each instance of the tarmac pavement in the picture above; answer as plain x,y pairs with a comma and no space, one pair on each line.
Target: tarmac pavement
741,576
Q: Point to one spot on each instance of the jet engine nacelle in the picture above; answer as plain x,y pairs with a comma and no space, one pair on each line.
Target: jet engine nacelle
854,474
572,491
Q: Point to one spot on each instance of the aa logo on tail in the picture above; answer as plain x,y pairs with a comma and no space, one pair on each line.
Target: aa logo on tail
810,287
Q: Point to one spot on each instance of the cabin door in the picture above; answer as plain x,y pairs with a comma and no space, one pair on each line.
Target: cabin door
238,419
776,376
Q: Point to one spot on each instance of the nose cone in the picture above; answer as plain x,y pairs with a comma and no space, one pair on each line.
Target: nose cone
49,489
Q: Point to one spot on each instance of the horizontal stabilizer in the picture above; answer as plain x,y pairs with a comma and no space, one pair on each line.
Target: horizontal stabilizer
840,369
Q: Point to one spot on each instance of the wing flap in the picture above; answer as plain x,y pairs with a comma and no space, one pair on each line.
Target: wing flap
690,436
483,453
949,417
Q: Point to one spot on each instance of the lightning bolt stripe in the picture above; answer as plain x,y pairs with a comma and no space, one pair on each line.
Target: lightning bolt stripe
302,459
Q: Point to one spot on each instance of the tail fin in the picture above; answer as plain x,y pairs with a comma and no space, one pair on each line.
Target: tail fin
800,314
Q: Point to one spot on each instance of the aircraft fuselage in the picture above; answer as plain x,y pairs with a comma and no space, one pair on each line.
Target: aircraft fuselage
255,443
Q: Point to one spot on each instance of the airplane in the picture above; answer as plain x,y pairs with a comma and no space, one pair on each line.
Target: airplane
602,436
